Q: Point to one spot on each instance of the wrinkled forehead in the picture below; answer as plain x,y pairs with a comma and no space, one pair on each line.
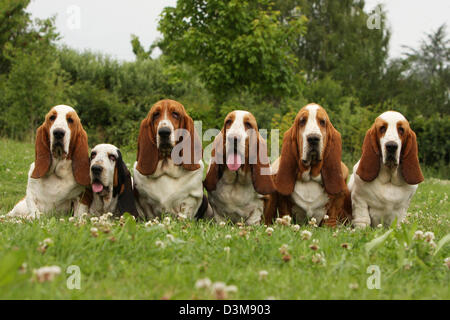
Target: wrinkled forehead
167,105
239,118
391,118
105,149
62,110
312,111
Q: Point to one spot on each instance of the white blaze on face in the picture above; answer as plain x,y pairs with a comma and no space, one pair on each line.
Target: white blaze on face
236,130
101,157
60,123
391,135
311,128
165,123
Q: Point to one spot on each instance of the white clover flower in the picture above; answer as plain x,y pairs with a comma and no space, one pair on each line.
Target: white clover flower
295,227
318,258
429,236
353,286
226,249
418,235
306,235
222,223
94,219
71,219
182,216
286,220
228,237
170,237
263,274
313,222
160,244
166,220
94,232
231,289
47,241
203,283
62,220
269,231
326,217
148,224
46,273
379,226
283,249
447,262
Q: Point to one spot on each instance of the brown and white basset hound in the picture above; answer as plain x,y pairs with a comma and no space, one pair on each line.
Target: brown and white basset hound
60,172
111,183
386,177
169,169
239,173
309,175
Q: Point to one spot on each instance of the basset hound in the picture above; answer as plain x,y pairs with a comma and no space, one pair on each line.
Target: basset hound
169,168
386,177
309,175
111,183
60,172
239,172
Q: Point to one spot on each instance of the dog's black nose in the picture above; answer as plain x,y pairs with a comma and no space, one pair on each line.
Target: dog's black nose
391,147
234,140
313,139
164,132
96,170
59,134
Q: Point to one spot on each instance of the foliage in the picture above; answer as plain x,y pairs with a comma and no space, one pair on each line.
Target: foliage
233,45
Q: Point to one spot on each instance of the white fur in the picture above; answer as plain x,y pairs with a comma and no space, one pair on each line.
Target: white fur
165,122
311,127
104,203
391,135
237,129
235,198
170,190
57,190
381,200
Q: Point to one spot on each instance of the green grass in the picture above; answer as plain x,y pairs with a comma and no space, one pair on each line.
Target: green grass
126,263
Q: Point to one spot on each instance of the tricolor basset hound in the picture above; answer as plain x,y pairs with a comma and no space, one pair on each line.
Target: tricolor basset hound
60,172
169,168
309,175
111,183
386,177
239,173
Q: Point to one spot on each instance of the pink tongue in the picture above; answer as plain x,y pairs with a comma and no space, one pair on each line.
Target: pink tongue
97,187
234,162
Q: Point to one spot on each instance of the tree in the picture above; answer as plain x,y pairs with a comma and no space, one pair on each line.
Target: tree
338,44
234,45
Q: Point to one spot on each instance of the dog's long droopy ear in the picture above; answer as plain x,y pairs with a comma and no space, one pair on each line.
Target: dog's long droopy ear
261,175
215,169
123,187
369,165
43,158
196,150
409,160
288,169
79,153
331,169
147,153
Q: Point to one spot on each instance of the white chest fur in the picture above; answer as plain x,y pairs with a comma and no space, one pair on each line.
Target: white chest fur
309,198
171,189
56,190
381,200
235,198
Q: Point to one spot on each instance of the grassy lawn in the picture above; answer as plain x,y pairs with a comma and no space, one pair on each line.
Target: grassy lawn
128,260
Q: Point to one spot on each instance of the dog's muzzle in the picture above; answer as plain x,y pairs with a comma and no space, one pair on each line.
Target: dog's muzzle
97,185
58,142
313,153
391,152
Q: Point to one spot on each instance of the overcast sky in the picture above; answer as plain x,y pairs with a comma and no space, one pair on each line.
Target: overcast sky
106,25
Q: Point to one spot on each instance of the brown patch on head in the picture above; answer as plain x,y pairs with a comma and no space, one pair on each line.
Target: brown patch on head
369,165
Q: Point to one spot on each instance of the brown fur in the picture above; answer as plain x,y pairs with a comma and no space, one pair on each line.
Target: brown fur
148,154
409,159
369,165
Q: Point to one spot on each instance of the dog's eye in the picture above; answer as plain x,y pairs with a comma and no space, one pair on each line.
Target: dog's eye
70,120
93,155
156,115
302,121
248,125
322,122
176,115
382,129
401,130
228,122
112,157
52,118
